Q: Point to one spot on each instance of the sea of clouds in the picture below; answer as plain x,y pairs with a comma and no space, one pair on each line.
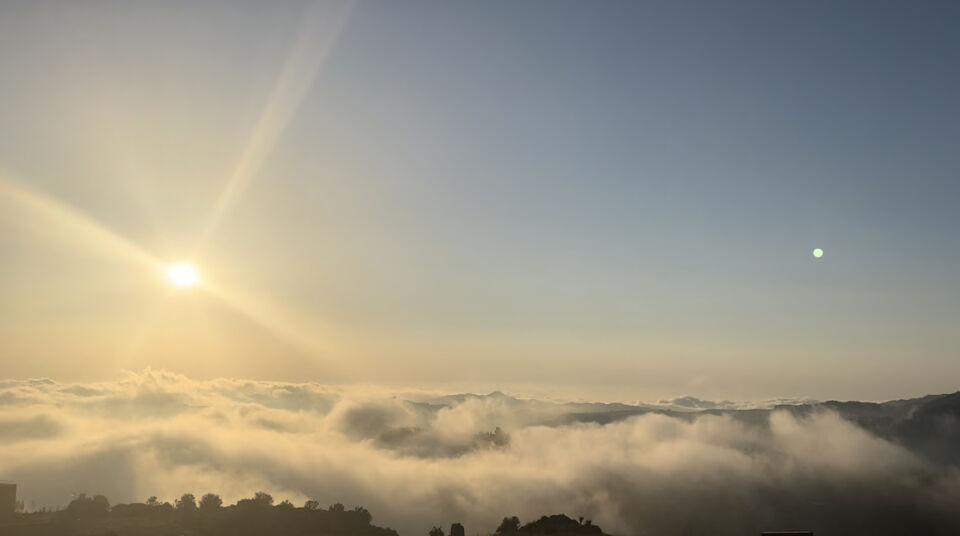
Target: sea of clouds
418,459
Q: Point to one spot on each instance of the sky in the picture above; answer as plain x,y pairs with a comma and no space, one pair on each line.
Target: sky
614,200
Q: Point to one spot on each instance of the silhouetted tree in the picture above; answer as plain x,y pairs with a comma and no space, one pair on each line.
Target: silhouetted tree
259,500
436,531
187,503
456,530
560,524
253,516
84,506
210,502
509,525
101,504
363,516
187,508
152,501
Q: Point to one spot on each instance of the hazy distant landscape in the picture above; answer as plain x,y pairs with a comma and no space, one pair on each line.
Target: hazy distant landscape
419,459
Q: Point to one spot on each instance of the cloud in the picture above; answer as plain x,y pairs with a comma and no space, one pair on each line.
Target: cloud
19,429
419,459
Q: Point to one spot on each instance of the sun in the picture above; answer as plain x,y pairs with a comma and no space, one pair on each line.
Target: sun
183,275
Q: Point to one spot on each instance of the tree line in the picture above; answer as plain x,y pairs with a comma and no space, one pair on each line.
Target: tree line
260,516
257,515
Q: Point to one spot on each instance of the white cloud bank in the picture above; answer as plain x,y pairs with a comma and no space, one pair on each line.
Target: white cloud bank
415,463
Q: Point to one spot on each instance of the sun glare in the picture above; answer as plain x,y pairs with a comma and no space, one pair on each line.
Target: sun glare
183,275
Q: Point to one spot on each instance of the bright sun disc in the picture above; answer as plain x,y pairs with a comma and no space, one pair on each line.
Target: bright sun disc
183,275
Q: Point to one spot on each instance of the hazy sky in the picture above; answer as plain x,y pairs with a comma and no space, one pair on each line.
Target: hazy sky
614,199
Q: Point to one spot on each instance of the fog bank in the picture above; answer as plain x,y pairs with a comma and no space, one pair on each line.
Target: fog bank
417,459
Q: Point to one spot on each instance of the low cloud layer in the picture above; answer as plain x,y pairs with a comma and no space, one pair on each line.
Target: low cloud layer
418,459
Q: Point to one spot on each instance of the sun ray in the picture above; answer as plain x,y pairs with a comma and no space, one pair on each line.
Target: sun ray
318,34
54,214
273,319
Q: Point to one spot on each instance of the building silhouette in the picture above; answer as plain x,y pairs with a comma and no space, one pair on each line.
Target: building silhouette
8,498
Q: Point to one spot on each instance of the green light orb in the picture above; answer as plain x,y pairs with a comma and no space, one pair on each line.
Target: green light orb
818,253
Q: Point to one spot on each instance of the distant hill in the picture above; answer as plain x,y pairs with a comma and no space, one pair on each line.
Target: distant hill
928,425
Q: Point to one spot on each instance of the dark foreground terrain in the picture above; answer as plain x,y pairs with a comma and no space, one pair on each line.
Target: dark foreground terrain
257,516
